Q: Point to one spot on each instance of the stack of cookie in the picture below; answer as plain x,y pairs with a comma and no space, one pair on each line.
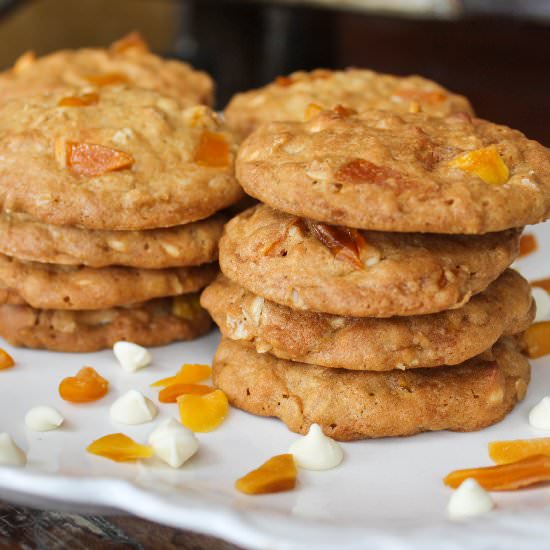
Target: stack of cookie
109,198
371,293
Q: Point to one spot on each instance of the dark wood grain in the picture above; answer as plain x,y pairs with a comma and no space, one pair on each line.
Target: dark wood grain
30,529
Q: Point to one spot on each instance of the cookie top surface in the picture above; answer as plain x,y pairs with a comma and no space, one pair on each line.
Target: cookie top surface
132,159
314,267
352,405
445,338
290,97
127,61
182,245
47,286
152,323
409,172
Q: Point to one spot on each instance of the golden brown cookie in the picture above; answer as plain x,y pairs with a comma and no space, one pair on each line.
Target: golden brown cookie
295,96
152,323
445,338
133,159
47,286
352,405
183,245
278,257
127,62
413,173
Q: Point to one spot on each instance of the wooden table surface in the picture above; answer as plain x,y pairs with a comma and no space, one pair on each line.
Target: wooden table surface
30,529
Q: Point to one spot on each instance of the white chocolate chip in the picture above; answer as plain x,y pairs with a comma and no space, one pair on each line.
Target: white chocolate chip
469,500
173,443
539,417
133,408
316,451
171,250
10,453
131,356
43,419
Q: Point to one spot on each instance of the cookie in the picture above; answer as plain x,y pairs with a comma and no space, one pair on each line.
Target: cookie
277,256
293,97
447,338
183,245
132,159
128,61
153,323
352,405
412,173
47,286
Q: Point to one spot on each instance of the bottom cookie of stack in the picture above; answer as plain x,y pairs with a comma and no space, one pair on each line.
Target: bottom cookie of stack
351,405
152,323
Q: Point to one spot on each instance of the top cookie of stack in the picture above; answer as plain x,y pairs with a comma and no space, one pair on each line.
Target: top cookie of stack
370,294
109,194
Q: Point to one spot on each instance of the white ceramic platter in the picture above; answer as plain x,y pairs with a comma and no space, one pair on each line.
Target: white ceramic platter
387,493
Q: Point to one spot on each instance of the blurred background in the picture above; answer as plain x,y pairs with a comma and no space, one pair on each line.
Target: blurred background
494,51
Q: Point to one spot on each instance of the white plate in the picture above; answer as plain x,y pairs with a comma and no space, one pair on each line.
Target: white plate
387,494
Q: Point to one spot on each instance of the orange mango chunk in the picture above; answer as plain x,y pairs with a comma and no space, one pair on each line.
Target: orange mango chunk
107,79
212,150
527,244
86,386
6,360
311,111
486,164
91,159
131,42
504,452
276,475
186,306
120,448
203,413
537,339
83,100
505,477
171,393
188,374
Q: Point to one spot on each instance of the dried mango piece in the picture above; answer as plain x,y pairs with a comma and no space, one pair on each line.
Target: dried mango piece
363,171
537,339
276,475
505,477
284,81
212,150
120,448
542,283
132,42
186,307
203,413
107,79
504,452
486,164
86,386
83,100
344,243
188,374
344,112
6,360
311,111
421,96
170,394
91,159
527,244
